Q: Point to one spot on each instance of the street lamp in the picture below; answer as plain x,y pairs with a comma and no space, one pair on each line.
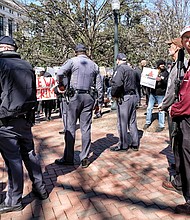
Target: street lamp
115,4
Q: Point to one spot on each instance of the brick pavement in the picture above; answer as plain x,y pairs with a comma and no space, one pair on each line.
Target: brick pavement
115,186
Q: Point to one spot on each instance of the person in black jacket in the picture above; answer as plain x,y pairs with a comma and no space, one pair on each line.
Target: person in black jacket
17,100
124,91
157,95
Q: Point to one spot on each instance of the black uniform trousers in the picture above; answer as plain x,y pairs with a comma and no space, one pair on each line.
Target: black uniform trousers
16,144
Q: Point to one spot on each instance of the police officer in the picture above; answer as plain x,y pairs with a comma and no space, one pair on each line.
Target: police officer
83,75
17,98
124,91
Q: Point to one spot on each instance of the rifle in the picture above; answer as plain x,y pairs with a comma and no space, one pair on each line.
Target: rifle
180,66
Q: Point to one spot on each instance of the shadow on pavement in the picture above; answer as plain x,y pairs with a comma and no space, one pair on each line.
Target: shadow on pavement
168,152
106,142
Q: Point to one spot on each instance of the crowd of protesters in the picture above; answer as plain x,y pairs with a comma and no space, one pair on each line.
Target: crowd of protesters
77,98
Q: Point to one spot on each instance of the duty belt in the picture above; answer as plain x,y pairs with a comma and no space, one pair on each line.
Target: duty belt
4,121
130,93
81,91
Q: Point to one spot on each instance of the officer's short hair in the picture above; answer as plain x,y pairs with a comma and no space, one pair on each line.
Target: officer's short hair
80,48
9,41
121,56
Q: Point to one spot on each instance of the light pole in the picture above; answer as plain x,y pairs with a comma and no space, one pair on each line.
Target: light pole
115,4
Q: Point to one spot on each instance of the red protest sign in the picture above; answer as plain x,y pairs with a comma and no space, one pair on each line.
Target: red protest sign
44,87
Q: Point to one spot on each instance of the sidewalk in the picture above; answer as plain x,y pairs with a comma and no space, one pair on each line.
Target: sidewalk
116,186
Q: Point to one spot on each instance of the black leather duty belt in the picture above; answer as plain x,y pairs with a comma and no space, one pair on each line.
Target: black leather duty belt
130,93
81,91
4,121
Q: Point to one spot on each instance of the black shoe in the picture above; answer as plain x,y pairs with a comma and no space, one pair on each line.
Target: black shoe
134,148
61,132
40,195
6,208
85,163
159,129
183,209
117,148
98,115
146,126
63,162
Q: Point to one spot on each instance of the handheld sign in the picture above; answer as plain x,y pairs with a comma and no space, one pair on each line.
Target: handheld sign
148,77
45,87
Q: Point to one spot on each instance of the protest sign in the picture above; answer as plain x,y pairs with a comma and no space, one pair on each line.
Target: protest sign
148,77
45,88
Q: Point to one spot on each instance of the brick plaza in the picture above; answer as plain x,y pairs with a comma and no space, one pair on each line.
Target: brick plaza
116,185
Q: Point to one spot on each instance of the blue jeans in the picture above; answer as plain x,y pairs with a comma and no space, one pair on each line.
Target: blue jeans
109,93
161,114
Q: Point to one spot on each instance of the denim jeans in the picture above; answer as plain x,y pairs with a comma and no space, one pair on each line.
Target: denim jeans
109,93
161,114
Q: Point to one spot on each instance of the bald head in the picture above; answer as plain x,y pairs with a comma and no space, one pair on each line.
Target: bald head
143,63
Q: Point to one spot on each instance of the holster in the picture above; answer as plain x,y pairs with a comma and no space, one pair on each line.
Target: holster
93,92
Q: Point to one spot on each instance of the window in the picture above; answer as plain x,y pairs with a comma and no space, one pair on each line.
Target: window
10,11
17,27
1,26
10,27
2,7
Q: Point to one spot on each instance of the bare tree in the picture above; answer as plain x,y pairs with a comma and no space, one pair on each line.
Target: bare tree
165,21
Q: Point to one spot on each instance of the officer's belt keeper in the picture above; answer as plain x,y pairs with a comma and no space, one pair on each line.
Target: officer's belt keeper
81,91
130,93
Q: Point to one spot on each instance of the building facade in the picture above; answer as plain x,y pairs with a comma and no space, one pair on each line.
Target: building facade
11,13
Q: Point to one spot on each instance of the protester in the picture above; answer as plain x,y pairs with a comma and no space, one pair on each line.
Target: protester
174,46
40,103
107,87
180,112
18,98
141,90
124,91
84,77
157,95
48,104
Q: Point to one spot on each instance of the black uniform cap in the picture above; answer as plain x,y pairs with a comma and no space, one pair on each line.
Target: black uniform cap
121,56
80,48
8,40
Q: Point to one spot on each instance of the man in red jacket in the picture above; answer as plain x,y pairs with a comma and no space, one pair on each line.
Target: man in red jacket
180,112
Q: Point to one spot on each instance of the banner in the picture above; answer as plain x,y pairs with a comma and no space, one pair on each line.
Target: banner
148,77
45,88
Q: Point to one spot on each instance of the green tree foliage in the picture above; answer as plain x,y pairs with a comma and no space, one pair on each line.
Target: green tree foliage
53,29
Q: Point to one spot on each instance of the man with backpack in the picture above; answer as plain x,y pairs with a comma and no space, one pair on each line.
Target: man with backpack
180,112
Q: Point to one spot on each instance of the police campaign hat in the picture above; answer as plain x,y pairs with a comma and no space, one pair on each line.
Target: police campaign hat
8,40
121,56
80,48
